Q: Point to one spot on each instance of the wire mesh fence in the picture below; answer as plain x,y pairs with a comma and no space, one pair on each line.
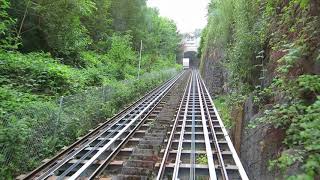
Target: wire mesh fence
30,135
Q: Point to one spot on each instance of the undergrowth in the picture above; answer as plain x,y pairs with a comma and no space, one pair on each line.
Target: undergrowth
39,129
222,105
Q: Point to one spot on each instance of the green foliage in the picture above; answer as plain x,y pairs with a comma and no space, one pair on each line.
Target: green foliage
300,117
291,58
129,15
91,59
309,84
12,100
67,28
122,56
72,47
38,73
40,129
303,130
285,161
21,130
233,29
7,23
263,35
202,159
245,44
162,39
62,25
223,106
218,31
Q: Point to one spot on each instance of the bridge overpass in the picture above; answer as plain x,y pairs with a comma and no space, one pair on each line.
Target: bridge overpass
191,43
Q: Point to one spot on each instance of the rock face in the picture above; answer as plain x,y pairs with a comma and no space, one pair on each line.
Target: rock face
214,73
259,144
215,80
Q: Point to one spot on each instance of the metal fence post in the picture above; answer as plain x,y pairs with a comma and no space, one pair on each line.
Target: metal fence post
103,94
60,111
140,58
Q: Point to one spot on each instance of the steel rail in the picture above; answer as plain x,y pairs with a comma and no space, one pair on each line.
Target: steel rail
70,156
178,156
212,172
166,152
117,149
235,156
213,134
107,146
193,144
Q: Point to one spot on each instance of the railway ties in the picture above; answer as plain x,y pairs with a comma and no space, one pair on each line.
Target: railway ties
174,132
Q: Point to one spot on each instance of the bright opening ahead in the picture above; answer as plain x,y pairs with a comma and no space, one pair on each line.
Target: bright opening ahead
188,14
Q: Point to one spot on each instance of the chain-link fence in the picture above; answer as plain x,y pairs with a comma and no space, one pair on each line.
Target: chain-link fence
39,131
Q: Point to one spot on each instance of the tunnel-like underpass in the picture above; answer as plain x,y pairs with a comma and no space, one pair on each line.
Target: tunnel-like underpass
194,60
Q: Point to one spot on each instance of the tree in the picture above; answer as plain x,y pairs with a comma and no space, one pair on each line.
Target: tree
56,26
7,27
122,55
128,16
98,24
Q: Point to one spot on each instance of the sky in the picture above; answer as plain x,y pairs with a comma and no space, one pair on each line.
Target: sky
188,14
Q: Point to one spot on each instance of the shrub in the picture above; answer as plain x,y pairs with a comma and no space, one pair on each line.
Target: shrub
12,100
39,73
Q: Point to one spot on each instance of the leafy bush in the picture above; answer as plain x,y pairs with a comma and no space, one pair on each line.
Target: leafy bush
12,100
122,56
31,130
65,34
91,59
8,40
39,73
223,106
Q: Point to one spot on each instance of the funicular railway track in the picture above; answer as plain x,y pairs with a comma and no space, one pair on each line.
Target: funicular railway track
161,136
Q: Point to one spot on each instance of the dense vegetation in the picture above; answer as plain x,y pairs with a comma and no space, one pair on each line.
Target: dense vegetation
271,50
67,48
